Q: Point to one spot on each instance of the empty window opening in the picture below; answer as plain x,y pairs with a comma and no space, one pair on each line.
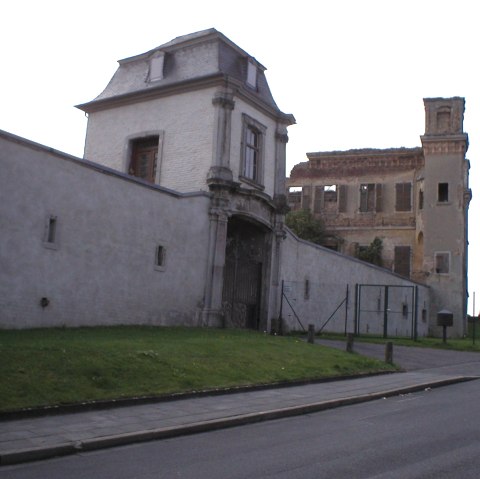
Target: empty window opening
370,197
306,195
405,310
330,193
443,192
294,197
442,263
143,163
403,197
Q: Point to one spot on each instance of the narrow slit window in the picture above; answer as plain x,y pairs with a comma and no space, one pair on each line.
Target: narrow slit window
50,232
160,254
307,289
51,229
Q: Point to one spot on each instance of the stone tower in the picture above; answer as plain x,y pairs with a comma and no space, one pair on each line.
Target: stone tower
442,216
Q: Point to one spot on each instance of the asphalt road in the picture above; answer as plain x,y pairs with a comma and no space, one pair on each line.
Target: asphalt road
432,434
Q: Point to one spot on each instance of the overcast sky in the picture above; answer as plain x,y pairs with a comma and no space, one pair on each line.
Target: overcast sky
353,72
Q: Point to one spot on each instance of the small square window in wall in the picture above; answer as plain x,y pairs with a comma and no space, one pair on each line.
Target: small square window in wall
50,238
442,263
160,258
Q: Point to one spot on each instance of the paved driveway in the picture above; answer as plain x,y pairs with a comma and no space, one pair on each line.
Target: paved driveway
414,359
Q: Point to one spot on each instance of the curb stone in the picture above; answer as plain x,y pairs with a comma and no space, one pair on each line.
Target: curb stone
32,454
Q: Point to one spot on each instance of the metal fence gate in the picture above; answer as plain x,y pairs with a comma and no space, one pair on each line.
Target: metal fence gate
386,310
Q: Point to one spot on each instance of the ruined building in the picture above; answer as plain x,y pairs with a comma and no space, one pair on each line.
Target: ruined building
414,199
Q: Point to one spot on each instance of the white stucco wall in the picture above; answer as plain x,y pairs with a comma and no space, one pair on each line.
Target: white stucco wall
182,165
328,274
101,268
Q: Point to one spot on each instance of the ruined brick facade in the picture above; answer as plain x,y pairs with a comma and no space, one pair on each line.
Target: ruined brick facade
414,199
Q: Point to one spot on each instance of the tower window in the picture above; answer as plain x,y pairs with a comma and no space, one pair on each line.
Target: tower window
443,192
442,263
443,120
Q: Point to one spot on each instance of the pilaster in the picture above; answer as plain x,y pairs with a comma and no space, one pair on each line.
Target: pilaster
224,105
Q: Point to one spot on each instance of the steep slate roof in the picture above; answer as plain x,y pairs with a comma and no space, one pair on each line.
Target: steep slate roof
195,57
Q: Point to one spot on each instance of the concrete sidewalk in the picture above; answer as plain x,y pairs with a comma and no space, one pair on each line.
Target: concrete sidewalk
30,439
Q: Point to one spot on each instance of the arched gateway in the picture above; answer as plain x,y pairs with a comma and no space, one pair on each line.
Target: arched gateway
246,264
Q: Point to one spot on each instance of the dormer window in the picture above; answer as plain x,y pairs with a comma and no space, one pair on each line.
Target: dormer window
156,67
252,75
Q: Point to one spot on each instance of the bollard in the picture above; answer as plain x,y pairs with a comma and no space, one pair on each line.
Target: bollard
389,352
350,343
311,334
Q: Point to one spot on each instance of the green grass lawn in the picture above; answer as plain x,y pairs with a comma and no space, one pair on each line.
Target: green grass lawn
60,366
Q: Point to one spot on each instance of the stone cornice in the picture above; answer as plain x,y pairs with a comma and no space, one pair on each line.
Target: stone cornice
365,153
445,144
214,80
152,93
358,163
